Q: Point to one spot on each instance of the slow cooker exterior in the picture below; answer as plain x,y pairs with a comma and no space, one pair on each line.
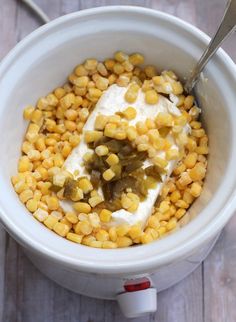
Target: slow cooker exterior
170,43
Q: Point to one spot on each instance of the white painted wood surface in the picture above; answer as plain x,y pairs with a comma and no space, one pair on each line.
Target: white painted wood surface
207,295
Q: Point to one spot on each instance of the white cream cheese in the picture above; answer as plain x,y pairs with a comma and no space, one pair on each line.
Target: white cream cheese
113,101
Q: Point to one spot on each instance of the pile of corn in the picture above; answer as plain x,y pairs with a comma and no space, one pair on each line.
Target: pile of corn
55,125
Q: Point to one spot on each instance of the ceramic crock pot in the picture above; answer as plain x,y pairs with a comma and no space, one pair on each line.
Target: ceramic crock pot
40,63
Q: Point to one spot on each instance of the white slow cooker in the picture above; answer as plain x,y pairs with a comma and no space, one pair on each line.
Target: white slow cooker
41,62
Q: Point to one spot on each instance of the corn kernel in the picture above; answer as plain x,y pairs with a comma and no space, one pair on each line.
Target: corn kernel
82,207
121,57
198,172
175,196
26,195
162,163
109,244
177,88
108,174
92,136
94,201
124,241
195,189
164,206
67,101
24,164
101,121
164,119
132,93
74,238
141,128
151,96
188,102
72,217
102,235
112,234
85,185
146,238
185,179
61,229
50,221
172,223
131,133
190,160
81,81
110,130
182,204
90,64
136,59
32,205
83,227
153,222
202,150
101,150
172,154
129,113
105,215
181,168
40,214
28,111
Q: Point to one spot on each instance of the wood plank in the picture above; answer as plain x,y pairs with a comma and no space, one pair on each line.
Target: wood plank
220,278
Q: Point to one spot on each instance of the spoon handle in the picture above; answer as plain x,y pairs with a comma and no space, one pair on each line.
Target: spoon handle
227,26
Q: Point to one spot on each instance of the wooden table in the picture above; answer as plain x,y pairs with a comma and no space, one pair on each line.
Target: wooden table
26,295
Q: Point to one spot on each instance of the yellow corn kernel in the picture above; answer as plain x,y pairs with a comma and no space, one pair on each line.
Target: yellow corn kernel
87,156
198,133
172,223
198,172
88,240
28,112
53,203
85,185
135,231
177,88
185,179
101,121
142,147
153,222
102,235
162,163
26,147
83,114
187,197
180,213
92,136
74,238
109,244
124,241
40,214
81,81
150,71
122,230
151,96
131,133
195,189
74,140
118,68
172,154
81,71
123,80
202,150
164,206
136,59
102,69
141,128
82,207
132,93
59,92
112,234
164,119
40,144
108,174
152,232
36,116
120,56
67,101
161,231
72,217
182,204
129,113
113,159
158,80
188,102
130,201
110,130
190,160
95,243
32,205
94,220
70,125
175,196
50,221
101,150
34,155
32,132
61,229
128,66
24,164
191,144
94,93
146,238
90,64
57,214
94,201
181,168
105,215
26,195
83,227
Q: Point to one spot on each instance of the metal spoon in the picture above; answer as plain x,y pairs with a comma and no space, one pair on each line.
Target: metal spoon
227,26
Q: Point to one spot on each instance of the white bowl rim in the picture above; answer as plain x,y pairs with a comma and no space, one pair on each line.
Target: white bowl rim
178,251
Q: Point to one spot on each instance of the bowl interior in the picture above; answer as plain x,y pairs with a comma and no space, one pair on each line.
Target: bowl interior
43,61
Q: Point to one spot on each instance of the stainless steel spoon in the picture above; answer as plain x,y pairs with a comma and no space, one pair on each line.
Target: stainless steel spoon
227,26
